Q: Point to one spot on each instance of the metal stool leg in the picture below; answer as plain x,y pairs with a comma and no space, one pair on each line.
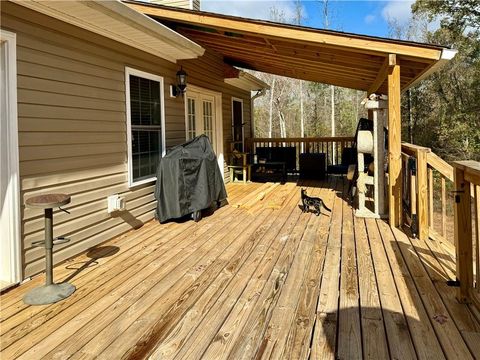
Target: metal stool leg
49,246
50,292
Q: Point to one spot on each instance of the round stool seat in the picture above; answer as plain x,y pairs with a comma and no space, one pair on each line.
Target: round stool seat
48,201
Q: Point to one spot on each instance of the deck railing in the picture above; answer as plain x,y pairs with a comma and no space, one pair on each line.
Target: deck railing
431,183
332,147
467,229
431,175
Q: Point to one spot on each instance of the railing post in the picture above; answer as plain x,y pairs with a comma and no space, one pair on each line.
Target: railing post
463,235
422,186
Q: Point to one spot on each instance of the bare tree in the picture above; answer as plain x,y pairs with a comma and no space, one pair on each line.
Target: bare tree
298,20
270,113
326,24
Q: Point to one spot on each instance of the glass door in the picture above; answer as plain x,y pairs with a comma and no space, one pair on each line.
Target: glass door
200,114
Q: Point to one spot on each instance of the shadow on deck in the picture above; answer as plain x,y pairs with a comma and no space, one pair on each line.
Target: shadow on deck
258,279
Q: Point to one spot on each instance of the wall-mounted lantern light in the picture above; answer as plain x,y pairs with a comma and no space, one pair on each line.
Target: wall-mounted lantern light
181,86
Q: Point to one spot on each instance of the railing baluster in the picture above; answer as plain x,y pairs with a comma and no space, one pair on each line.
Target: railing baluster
444,209
477,236
430,197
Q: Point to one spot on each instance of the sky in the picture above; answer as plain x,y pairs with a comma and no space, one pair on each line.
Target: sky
368,17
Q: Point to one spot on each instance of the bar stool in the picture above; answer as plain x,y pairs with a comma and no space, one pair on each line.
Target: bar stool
50,292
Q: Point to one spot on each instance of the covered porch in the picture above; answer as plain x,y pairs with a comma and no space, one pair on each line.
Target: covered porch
257,279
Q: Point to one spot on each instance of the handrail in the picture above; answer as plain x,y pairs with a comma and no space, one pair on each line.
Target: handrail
332,147
306,139
440,165
465,176
412,149
467,183
420,188
428,164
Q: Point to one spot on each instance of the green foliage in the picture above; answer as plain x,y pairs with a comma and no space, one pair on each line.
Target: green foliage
456,15
445,107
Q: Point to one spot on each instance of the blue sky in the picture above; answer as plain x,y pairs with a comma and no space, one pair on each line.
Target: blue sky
361,17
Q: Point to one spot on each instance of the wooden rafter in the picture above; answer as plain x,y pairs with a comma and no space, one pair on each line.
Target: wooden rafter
218,42
356,43
380,79
309,54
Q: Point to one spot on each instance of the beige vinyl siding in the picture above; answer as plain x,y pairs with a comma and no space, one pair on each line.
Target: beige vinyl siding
185,4
207,72
72,128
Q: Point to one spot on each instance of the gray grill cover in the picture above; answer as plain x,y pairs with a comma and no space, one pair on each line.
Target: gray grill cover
188,180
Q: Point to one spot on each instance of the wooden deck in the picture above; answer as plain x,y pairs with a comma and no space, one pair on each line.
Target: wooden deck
257,279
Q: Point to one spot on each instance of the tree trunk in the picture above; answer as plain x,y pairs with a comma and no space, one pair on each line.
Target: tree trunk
334,147
302,125
283,132
270,114
409,106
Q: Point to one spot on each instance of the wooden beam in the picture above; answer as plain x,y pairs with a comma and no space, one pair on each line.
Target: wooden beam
463,235
440,165
229,72
380,79
357,43
390,60
394,147
248,51
270,44
309,76
292,50
423,203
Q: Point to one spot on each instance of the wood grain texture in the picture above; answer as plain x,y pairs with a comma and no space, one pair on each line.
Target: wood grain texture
328,57
463,235
424,205
394,146
252,281
72,126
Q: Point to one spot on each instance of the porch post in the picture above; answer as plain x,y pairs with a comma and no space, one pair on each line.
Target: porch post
394,143
463,233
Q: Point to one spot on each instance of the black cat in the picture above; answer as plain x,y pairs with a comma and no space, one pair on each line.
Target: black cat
316,202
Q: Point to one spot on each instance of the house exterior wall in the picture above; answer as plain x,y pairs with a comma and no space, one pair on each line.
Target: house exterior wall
204,72
72,127
185,4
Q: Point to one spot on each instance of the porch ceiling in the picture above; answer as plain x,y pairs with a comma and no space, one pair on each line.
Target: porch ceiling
331,57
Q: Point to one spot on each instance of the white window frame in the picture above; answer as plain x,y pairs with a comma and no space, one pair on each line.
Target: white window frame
243,121
12,256
130,71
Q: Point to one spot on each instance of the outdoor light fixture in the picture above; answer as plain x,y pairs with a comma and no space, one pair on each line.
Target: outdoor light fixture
181,86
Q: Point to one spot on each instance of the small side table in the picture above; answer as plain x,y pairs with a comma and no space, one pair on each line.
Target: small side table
239,166
50,292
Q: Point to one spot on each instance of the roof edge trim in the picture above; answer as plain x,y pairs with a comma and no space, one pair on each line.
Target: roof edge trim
248,82
445,57
119,12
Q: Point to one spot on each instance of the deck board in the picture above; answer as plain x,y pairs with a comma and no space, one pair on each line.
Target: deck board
256,279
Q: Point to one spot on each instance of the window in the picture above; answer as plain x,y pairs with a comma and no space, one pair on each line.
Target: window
191,131
145,125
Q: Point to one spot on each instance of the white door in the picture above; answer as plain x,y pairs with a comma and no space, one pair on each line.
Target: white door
9,173
203,116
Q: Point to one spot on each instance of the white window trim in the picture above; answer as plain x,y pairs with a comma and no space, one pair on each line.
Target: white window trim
243,120
12,196
218,125
130,71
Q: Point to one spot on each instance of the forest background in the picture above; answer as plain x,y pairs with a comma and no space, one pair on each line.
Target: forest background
442,112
